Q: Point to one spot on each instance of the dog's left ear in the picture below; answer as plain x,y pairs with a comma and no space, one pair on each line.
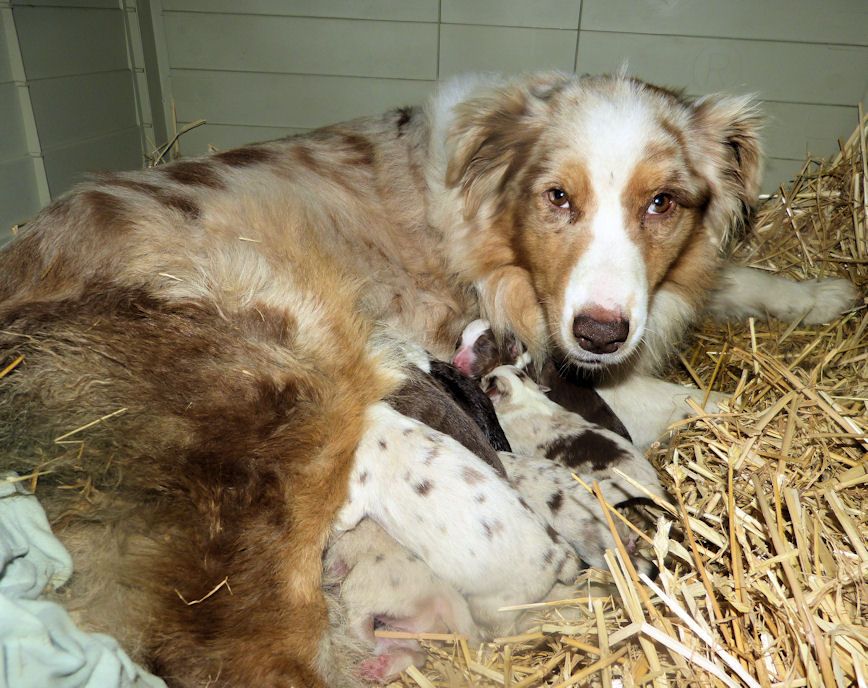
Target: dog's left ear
730,152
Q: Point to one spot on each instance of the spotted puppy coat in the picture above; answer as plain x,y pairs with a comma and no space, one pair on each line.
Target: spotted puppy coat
408,478
381,585
478,352
537,426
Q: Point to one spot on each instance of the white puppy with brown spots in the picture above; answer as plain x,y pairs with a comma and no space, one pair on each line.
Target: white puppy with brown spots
563,442
381,585
537,426
412,479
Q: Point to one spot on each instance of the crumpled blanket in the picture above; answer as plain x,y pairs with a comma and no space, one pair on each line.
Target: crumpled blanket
40,646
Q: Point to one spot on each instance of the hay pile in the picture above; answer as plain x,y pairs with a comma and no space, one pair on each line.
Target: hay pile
763,558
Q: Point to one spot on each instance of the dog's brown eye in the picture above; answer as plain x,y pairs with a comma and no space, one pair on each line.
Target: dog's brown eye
559,198
661,204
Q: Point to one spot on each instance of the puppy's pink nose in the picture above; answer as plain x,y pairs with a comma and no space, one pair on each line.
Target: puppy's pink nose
600,331
463,360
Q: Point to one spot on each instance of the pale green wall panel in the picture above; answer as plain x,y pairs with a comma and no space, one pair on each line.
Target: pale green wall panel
80,85
808,21
789,72
795,130
287,100
5,67
225,136
61,41
23,188
779,172
73,108
301,45
20,199
390,10
13,138
97,4
135,44
65,166
544,14
502,49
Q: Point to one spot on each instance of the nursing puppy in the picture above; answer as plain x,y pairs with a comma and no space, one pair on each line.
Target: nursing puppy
537,426
200,353
478,352
378,584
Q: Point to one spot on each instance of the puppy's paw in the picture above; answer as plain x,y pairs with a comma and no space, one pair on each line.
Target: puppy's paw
488,610
827,299
571,566
385,667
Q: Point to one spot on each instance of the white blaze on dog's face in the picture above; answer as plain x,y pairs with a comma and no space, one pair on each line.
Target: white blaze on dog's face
604,300
620,197
604,192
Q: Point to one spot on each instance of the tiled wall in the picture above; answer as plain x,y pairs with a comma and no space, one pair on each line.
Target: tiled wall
67,99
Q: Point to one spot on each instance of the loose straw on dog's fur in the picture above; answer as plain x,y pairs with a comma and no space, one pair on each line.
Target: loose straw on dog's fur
763,556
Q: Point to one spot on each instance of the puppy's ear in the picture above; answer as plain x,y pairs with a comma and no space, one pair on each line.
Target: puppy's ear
494,387
730,155
492,137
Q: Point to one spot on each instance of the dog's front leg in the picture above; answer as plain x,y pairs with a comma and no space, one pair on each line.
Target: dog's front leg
743,292
509,302
443,503
647,405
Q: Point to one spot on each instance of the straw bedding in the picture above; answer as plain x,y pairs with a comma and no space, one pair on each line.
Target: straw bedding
764,551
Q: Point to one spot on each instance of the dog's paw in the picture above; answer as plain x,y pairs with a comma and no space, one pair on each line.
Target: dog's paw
826,299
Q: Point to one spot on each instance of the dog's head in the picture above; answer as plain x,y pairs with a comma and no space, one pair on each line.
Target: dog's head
604,191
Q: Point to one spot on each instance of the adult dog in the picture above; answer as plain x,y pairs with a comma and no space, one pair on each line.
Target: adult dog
234,323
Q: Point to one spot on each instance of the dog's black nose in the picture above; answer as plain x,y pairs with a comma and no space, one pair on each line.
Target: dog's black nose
600,331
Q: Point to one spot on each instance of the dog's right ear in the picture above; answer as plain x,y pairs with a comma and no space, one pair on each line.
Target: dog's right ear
492,136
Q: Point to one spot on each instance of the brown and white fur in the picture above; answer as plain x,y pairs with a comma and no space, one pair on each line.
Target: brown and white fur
538,427
381,584
208,330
